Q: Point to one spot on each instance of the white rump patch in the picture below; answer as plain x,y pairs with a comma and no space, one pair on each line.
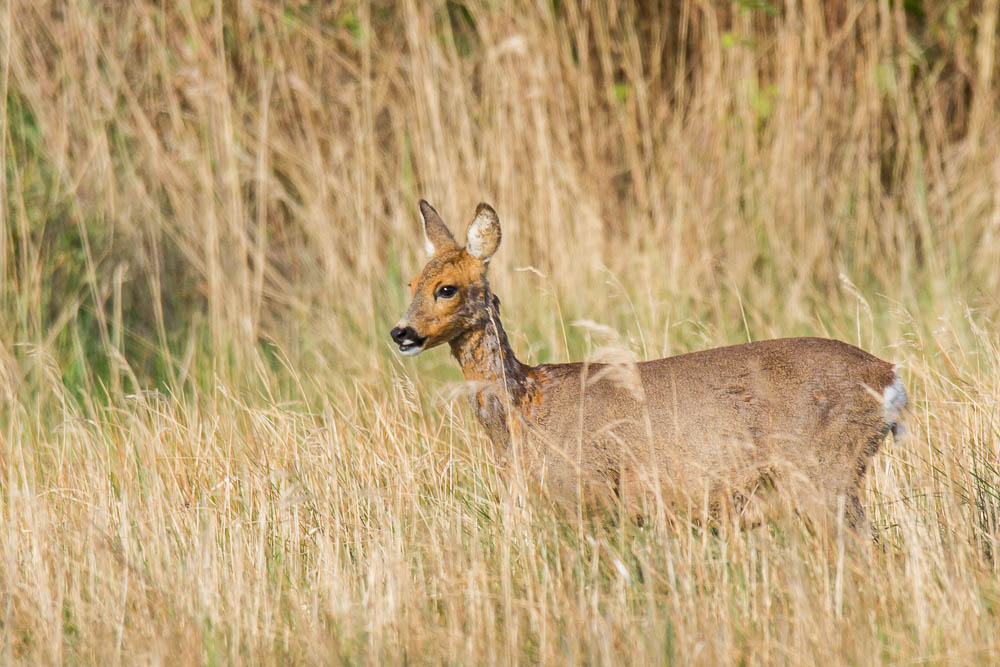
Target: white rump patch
893,402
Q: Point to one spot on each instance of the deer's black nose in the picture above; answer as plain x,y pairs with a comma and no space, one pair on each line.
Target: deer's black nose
402,334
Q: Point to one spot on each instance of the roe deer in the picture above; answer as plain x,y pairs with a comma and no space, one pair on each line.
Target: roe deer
707,428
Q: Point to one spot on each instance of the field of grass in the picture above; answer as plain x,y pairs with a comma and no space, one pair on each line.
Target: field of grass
210,452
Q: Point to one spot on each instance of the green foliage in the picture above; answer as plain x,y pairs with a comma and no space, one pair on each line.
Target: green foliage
765,6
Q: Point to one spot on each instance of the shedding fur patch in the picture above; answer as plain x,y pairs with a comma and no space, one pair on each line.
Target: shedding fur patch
893,402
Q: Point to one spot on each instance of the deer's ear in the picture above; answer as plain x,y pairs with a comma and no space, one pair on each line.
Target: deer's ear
483,237
436,234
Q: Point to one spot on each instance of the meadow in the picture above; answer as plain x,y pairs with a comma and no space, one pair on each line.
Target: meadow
211,453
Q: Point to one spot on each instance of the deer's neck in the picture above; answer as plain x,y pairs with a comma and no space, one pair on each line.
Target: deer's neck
487,359
486,356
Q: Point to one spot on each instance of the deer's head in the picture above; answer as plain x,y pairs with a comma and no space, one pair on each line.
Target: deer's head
450,294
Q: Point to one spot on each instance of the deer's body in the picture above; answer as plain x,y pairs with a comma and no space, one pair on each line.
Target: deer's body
807,414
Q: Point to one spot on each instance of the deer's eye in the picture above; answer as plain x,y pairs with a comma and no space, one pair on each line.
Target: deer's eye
446,291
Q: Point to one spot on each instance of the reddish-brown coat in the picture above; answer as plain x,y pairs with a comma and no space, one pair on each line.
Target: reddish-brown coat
804,415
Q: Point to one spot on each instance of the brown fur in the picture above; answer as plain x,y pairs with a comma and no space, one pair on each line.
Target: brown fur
709,428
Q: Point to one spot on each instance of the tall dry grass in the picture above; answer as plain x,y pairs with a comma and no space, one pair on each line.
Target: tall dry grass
209,452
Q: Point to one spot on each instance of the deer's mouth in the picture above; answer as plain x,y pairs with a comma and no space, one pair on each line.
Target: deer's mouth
410,347
409,342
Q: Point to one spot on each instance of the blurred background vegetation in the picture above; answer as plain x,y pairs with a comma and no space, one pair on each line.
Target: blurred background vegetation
181,186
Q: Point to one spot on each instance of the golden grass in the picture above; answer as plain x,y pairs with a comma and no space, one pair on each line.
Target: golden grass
210,453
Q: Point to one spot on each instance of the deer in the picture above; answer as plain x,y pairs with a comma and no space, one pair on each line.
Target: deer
712,429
